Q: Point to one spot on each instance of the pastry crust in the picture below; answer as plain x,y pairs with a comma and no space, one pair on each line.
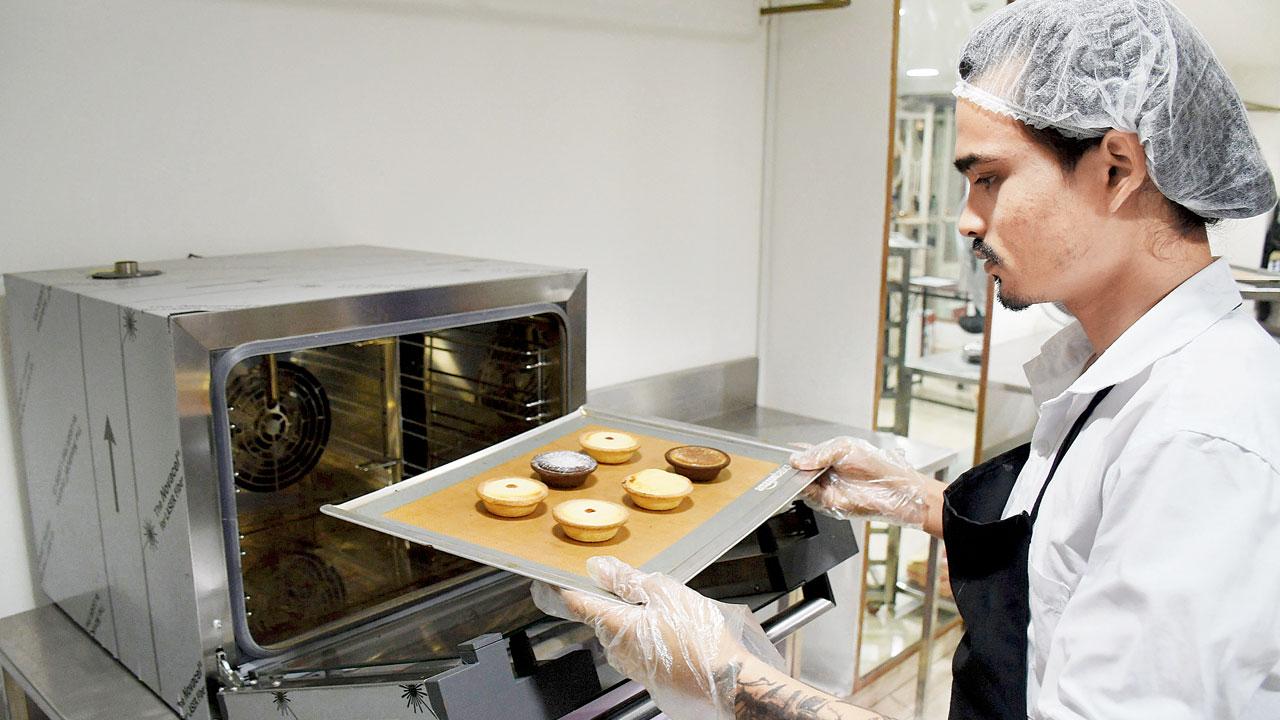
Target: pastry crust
511,496
609,446
655,489
588,520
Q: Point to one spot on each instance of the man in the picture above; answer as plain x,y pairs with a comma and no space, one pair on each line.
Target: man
1123,564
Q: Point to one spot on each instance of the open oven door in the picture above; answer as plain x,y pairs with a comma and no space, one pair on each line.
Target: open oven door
545,669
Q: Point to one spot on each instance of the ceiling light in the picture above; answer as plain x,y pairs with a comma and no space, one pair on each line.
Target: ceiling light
922,72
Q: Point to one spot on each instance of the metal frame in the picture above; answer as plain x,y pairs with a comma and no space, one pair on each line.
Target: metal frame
930,611
900,322
222,367
207,345
803,7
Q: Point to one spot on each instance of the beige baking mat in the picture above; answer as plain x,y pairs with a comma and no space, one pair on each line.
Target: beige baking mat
457,512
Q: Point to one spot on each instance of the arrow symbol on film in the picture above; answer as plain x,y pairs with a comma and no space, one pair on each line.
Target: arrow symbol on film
110,437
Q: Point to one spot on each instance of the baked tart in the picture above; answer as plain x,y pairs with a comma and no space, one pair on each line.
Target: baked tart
609,446
588,520
654,489
563,469
512,496
698,463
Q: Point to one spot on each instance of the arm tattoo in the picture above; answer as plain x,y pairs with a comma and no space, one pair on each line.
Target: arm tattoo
765,699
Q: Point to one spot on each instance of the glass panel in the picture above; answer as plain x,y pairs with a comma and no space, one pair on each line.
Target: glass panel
326,424
934,315
894,596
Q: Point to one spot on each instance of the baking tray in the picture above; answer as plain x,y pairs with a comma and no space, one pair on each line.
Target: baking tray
756,485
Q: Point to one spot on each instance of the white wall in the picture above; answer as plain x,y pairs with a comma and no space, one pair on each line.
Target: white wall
826,210
824,242
623,139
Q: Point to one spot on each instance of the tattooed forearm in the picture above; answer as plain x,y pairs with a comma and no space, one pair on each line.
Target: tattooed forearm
774,696
767,700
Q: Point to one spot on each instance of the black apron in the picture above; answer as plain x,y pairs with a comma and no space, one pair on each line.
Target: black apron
987,557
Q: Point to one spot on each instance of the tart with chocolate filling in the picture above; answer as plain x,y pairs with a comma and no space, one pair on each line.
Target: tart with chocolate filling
698,463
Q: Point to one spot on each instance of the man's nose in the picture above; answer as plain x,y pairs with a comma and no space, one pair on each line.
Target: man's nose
970,224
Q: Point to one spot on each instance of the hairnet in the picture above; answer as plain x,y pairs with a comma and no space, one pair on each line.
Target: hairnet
1083,67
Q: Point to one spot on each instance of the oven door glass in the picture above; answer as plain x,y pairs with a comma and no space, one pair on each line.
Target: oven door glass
325,424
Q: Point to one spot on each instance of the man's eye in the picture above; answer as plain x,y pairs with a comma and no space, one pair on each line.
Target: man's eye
984,181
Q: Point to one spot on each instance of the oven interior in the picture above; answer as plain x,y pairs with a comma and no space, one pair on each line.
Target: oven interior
325,424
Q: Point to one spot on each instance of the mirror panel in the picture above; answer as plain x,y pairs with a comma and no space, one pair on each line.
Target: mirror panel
933,337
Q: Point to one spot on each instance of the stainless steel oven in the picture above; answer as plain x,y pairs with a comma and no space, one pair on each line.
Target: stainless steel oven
183,422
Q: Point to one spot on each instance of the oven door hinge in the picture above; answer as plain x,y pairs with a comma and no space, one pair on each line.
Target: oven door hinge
228,677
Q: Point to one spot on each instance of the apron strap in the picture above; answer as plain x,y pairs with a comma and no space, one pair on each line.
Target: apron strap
1066,444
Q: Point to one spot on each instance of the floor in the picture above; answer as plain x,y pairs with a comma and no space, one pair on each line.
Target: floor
894,693
886,635
890,631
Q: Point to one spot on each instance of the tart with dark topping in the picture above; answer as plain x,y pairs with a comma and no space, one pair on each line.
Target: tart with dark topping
563,469
698,463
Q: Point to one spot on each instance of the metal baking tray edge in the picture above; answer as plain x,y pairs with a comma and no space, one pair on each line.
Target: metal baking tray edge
683,560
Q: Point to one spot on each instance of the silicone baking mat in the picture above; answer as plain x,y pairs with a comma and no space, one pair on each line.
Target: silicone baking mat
456,511
440,508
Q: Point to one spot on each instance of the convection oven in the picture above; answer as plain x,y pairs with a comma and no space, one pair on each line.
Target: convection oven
183,422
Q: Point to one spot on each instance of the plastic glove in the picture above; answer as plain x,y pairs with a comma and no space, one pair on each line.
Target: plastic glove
863,481
683,647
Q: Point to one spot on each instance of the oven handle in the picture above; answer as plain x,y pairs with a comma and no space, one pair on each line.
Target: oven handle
630,701
787,622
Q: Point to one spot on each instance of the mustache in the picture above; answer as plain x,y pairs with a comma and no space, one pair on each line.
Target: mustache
984,252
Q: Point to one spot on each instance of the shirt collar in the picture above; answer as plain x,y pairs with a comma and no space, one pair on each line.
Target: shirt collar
1190,309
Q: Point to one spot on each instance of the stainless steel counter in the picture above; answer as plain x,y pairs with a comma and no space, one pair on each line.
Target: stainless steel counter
723,396
50,663
782,428
1259,294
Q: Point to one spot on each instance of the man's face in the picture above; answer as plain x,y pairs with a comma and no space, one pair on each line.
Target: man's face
1031,223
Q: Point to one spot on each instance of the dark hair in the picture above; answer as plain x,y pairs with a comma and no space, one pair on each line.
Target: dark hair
1069,150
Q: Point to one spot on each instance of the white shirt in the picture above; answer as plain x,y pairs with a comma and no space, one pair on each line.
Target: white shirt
1155,559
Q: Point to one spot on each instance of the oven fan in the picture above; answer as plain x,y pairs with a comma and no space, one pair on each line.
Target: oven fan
279,416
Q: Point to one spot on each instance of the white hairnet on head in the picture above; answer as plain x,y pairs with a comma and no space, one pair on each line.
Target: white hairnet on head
1083,67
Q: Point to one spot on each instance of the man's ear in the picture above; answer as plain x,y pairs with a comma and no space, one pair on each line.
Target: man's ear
1126,162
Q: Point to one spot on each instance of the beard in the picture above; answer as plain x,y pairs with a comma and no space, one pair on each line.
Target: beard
1011,302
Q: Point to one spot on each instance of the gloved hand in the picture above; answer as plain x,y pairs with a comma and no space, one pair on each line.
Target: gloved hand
863,481
683,647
